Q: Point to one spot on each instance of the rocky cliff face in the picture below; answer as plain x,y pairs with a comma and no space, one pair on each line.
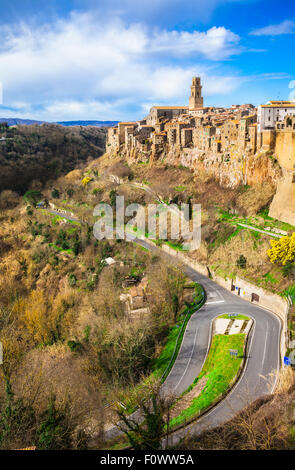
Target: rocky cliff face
231,171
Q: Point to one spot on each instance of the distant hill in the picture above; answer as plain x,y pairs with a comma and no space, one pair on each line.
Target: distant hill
34,152
26,122
17,121
89,123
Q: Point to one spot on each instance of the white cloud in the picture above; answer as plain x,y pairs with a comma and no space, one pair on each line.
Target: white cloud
215,44
82,68
286,27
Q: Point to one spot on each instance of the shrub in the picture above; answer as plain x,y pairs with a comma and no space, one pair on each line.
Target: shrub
55,193
86,181
282,251
241,262
97,191
72,280
32,197
70,192
75,346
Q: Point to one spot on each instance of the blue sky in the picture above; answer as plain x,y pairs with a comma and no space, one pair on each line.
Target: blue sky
114,59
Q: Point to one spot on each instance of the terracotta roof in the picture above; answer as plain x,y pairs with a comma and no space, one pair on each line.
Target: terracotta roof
170,107
133,123
279,105
280,101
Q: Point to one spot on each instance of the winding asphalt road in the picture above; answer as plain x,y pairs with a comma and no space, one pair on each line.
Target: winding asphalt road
262,362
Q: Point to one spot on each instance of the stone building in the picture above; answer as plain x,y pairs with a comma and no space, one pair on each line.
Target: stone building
272,112
196,99
167,112
217,132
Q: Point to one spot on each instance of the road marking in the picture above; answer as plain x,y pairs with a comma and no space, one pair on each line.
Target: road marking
265,344
215,302
193,348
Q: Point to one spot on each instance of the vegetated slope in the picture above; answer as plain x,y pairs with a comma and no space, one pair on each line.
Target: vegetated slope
224,243
61,315
60,308
267,424
45,152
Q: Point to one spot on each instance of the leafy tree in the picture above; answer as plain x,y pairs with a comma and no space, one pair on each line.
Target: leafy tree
288,270
241,262
70,192
54,432
75,346
17,421
76,247
55,193
32,197
148,432
72,280
113,194
175,288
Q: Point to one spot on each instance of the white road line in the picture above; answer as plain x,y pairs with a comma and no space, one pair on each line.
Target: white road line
193,348
265,344
215,302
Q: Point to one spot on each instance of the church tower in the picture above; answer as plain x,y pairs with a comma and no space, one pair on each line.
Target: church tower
196,99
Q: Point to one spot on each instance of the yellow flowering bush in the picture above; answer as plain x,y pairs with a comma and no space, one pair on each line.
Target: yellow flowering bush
86,180
282,251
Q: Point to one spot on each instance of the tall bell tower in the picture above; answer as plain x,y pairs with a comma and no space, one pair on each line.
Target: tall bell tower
196,99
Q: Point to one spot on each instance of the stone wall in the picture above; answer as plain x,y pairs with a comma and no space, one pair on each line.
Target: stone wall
283,203
285,149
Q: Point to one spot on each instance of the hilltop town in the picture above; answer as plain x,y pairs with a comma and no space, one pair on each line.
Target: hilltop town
237,145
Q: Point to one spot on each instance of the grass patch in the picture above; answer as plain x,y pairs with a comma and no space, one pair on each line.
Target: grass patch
274,222
269,278
261,221
58,218
220,370
180,188
236,317
174,246
58,248
291,292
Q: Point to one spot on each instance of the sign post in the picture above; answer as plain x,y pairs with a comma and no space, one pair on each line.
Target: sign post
233,353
